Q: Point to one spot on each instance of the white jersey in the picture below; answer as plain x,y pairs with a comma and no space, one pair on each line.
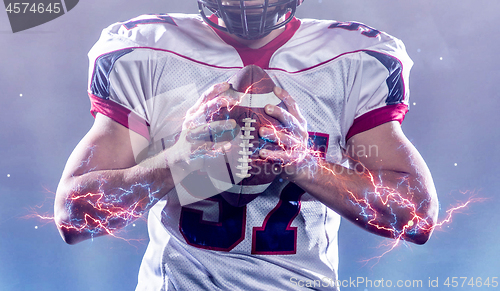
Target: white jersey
346,78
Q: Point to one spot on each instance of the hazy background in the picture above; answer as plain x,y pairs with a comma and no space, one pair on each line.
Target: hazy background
453,122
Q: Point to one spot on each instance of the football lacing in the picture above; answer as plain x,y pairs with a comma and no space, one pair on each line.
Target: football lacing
245,151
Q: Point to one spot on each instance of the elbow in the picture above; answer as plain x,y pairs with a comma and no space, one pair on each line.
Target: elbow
64,219
78,220
69,234
70,240
422,235
422,232
68,237
421,238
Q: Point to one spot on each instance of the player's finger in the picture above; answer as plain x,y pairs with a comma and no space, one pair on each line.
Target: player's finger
204,112
290,103
291,123
209,94
213,131
287,116
201,148
282,138
215,91
215,105
281,114
283,157
206,131
209,107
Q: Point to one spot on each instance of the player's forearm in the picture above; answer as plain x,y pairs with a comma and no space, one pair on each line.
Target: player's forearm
387,203
101,202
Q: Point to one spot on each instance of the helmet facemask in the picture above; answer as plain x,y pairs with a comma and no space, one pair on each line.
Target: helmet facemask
251,21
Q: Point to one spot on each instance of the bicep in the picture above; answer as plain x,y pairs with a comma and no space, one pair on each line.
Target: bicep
386,147
107,146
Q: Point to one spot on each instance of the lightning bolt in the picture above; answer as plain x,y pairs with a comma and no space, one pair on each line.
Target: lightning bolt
105,211
108,215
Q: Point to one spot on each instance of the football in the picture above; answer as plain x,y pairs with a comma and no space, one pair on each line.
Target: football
244,174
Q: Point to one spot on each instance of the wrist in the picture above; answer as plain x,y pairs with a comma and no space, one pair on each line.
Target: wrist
305,170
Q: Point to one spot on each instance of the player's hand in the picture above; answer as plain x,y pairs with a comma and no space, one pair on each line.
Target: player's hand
197,137
294,155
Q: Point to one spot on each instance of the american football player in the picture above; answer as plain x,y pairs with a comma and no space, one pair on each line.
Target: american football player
152,81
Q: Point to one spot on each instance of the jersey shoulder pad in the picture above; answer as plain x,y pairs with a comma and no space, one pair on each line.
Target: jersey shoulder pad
321,41
362,37
143,30
155,31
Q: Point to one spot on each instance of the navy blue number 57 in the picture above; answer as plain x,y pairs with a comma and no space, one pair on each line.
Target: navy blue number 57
273,238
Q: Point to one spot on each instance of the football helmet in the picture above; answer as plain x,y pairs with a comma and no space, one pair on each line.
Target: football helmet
249,19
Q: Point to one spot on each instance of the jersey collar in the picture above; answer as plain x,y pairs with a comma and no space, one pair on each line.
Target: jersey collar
261,56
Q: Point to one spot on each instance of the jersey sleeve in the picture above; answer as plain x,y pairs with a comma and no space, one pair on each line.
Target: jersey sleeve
120,81
380,90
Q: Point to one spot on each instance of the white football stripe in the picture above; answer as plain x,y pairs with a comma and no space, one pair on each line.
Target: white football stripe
256,100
